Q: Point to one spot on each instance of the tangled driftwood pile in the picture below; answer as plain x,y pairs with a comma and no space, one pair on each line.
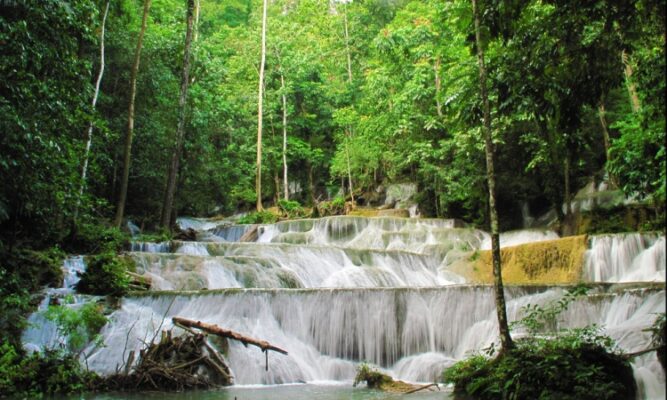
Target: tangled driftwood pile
178,363
175,364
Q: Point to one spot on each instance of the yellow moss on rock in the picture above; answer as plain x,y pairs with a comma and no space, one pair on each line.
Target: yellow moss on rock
546,262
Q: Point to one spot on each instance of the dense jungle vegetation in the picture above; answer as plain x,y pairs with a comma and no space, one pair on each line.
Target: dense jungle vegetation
151,109
370,92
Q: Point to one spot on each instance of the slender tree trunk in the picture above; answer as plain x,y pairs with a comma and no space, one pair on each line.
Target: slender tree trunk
632,87
349,169
605,131
120,208
285,182
89,142
165,219
260,99
607,140
505,338
545,128
438,86
348,130
196,28
347,45
566,182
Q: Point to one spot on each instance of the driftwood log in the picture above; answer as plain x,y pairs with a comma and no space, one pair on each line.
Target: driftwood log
226,333
251,235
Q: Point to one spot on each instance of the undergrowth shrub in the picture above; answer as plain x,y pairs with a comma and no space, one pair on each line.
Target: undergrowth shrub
548,363
79,325
291,209
39,374
106,274
261,217
374,379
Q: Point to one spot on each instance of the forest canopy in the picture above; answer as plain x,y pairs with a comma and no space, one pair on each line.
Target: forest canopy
356,94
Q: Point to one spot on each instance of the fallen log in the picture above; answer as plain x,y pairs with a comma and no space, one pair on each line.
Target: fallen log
251,235
226,333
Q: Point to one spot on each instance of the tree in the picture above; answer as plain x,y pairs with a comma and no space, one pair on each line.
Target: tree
89,142
260,99
505,338
120,207
165,219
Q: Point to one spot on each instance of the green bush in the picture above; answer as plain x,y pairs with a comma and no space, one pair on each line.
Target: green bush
38,374
578,365
93,238
374,379
659,337
23,272
568,364
79,325
291,209
261,217
333,207
106,274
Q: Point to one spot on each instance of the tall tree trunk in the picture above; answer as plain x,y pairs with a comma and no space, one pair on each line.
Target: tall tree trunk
348,130
606,138
505,338
260,99
165,219
120,208
605,131
89,142
566,182
438,86
632,87
349,169
347,45
285,182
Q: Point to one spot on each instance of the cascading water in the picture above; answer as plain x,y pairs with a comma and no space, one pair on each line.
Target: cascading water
337,291
41,332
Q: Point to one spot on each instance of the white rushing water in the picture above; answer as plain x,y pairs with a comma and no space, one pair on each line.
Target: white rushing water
337,291
413,333
629,257
41,332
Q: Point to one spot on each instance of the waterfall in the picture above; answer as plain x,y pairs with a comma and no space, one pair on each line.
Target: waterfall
41,332
630,257
338,291
328,331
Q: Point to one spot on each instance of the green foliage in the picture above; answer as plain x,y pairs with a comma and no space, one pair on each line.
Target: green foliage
93,238
39,374
373,378
291,209
659,337
539,319
579,363
261,217
79,325
333,207
106,274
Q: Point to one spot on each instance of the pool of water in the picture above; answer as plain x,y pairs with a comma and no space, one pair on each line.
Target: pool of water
271,392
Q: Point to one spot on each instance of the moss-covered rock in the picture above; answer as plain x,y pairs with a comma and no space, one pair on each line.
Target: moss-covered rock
546,262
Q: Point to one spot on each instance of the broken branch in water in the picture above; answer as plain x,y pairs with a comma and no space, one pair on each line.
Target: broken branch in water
227,333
